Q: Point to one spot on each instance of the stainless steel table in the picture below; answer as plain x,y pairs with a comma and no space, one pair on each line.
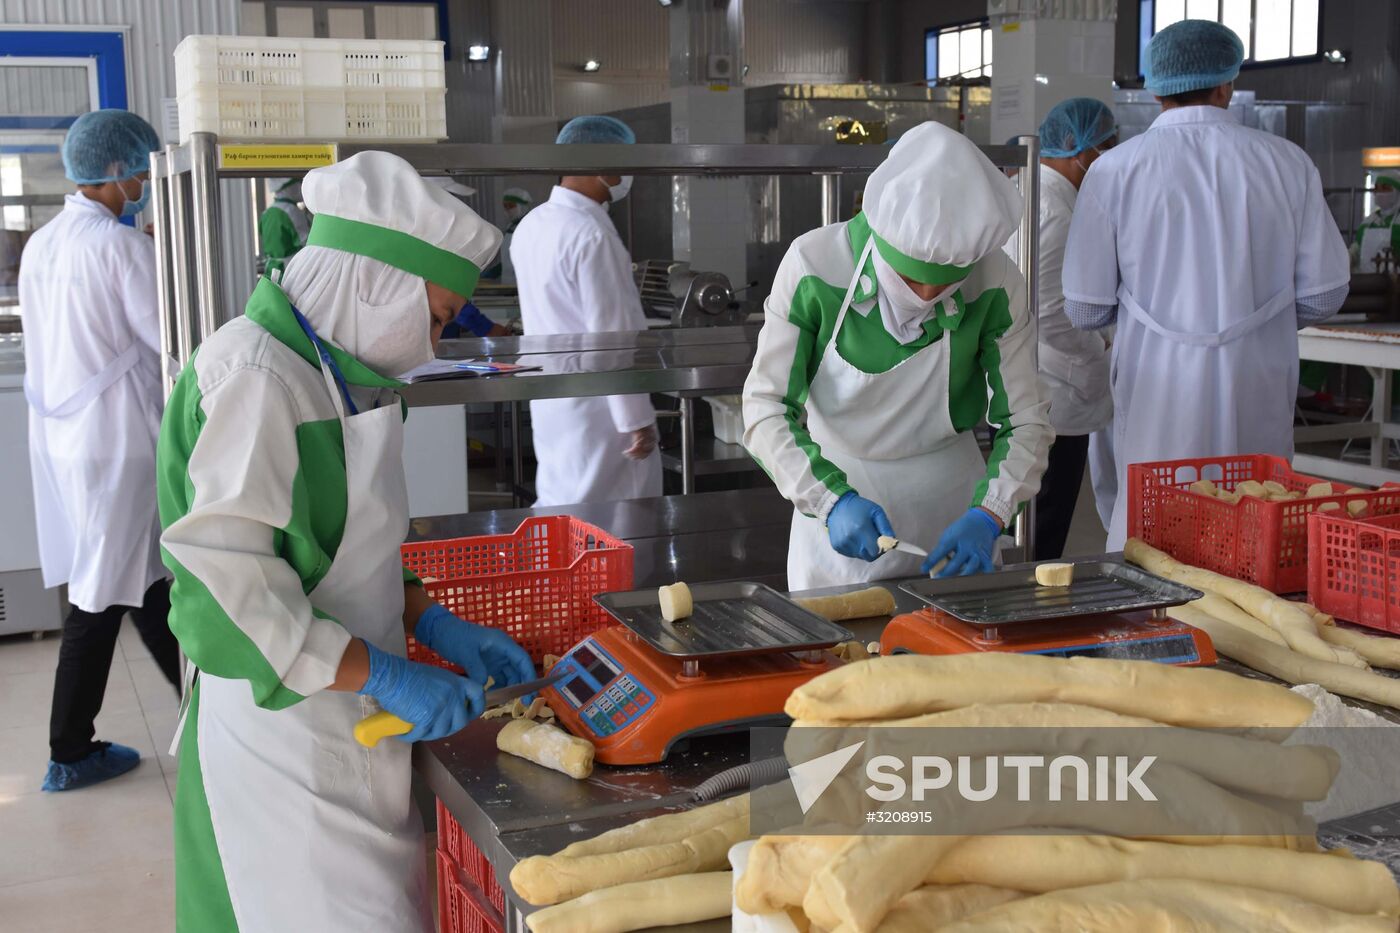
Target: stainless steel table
1375,346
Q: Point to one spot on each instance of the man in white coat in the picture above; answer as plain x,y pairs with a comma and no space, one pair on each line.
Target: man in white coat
575,277
1209,244
87,290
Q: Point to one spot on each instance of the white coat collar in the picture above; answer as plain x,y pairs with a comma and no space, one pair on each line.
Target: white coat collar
1202,113
1052,182
82,202
577,202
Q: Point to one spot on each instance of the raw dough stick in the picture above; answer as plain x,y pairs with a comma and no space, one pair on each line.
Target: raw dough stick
861,604
1167,906
780,870
867,876
909,685
676,603
1378,650
549,879
1288,619
640,904
1290,666
1223,609
547,745
851,651
1044,863
930,908
672,827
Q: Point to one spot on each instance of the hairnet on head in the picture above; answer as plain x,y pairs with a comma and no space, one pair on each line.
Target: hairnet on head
1075,125
596,130
1192,55
108,145
517,196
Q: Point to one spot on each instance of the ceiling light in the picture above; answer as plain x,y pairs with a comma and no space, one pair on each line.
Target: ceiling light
665,2
1335,56
592,65
478,53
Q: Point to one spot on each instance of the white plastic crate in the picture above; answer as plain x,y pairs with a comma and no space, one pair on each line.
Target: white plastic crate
728,411
254,87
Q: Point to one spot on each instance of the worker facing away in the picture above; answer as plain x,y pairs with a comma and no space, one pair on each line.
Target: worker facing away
87,290
575,277
1380,231
283,497
515,204
894,334
1209,244
1073,363
283,227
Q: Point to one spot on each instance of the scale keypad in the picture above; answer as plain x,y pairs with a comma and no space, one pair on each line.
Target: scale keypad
607,698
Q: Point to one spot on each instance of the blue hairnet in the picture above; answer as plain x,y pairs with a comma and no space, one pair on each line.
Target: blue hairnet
1075,125
596,130
1192,55
108,145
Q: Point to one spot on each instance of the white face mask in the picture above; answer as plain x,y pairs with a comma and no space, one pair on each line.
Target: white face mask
619,191
902,311
1387,200
512,211
394,338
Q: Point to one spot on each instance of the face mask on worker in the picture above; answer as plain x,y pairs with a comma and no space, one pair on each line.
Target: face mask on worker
512,212
1387,199
395,337
131,208
902,311
619,191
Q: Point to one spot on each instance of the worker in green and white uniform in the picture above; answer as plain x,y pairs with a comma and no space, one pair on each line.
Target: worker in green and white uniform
1381,228
283,227
282,494
886,339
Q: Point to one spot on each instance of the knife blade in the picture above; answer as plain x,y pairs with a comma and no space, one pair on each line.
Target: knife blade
908,548
505,694
381,725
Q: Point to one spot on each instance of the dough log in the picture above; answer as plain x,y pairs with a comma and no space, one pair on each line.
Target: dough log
780,870
640,904
672,827
547,745
929,908
676,603
861,604
1378,650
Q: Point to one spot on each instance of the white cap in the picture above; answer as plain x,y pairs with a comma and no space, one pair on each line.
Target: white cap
375,204
937,205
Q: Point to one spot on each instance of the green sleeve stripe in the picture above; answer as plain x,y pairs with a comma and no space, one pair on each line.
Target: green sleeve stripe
999,406
202,900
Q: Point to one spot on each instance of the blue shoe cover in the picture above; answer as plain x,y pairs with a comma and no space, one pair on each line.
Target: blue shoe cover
101,765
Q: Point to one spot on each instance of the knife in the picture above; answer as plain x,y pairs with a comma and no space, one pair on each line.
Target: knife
381,725
908,548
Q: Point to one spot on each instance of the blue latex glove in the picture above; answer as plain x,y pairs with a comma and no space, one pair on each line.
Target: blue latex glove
482,651
855,525
437,701
969,544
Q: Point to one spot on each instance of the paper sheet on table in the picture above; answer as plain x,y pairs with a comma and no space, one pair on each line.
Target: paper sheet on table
460,369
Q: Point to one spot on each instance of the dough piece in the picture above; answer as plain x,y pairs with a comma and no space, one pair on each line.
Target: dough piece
909,685
640,905
1379,650
1204,487
780,870
886,543
1250,488
851,651
872,648
550,879
1231,497
1357,507
676,603
549,661
1318,490
1356,489
1273,487
1054,574
499,712
1288,619
1167,906
1330,507
1044,863
860,604
1290,666
929,908
536,709
672,827
1226,611
869,875
547,745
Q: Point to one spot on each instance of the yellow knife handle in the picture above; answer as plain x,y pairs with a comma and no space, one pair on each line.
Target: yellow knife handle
381,725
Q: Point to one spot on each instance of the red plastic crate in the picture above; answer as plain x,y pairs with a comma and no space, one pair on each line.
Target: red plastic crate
1354,569
459,846
537,584
461,906
1265,543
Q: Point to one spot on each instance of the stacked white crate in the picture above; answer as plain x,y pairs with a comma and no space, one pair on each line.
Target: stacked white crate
311,90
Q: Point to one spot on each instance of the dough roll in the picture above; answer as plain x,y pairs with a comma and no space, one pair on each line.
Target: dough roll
1377,650
780,869
867,876
640,904
1167,906
672,827
910,685
929,908
861,604
547,745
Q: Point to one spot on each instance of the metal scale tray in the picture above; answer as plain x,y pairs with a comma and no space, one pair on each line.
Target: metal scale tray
1012,597
729,620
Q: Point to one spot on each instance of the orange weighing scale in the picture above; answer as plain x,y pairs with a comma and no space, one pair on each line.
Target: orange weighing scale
1110,610
636,689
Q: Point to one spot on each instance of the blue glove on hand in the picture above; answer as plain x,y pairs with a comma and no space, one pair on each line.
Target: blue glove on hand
855,526
482,651
969,544
436,701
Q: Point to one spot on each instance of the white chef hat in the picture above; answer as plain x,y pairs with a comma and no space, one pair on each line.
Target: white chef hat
375,204
937,205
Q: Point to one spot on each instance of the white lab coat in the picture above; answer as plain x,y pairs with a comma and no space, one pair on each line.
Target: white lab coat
87,289
1205,235
575,277
1073,363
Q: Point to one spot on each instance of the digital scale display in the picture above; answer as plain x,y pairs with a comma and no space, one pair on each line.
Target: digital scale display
606,698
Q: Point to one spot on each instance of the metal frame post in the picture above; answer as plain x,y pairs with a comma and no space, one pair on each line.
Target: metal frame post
181,277
1024,529
687,410
830,197
165,297
208,248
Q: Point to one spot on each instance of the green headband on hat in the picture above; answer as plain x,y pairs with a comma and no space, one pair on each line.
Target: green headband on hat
927,273
397,249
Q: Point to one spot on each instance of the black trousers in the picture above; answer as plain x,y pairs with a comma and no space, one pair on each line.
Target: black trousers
1059,492
85,659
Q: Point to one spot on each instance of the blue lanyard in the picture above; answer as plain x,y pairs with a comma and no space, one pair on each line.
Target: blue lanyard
326,360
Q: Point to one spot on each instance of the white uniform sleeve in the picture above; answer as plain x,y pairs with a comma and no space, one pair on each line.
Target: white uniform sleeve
136,283
611,303
1323,263
1090,274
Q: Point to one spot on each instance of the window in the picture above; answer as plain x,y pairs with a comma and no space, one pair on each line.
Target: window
341,19
1271,30
953,52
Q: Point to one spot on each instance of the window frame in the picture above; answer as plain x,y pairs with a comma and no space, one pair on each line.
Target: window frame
1147,19
319,8
933,32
